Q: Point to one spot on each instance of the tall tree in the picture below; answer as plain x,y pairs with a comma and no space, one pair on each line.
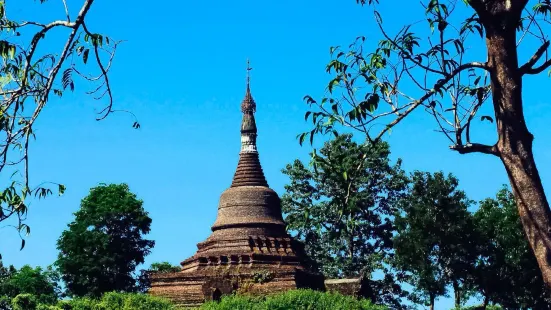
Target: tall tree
507,272
434,243
29,77
342,214
105,243
405,73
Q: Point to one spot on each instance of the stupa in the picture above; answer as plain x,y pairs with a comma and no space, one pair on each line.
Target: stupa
249,249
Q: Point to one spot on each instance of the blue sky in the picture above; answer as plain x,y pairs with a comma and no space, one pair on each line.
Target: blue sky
181,70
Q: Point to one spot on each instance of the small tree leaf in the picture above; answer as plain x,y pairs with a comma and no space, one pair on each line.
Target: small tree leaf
486,118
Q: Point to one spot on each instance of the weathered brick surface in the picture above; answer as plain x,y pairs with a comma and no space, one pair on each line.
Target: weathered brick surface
351,287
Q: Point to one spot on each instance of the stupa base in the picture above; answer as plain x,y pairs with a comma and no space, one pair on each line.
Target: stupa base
189,289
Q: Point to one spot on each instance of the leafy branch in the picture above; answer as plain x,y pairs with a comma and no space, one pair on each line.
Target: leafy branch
27,80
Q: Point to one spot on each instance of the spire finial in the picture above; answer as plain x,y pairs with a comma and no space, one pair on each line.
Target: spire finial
248,105
248,72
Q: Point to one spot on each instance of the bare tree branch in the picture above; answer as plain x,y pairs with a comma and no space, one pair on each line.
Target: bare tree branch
476,148
527,68
427,95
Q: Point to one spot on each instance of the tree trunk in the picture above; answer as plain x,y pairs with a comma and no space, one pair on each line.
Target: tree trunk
457,294
514,146
432,302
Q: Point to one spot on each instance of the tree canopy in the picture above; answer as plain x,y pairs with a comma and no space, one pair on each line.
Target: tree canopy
102,247
429,66
42,284
343,215
506,272
434,242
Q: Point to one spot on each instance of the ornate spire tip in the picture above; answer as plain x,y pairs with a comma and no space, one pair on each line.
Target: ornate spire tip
248,73
248,105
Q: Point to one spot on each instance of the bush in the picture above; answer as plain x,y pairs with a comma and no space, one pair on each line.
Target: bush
47,307
109,301
24,302
112,301
295,299
489,307
234,302
79,304
121,301
145,302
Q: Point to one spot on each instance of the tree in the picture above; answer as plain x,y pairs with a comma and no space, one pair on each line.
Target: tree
507,272
343,215
144,279
103,245
164,267
405,73
42,284
29,77
434,241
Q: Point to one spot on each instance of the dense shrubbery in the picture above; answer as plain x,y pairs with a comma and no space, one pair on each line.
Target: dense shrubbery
493,307
109,301
297,300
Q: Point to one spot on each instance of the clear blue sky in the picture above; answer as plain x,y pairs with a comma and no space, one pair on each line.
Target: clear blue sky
182,72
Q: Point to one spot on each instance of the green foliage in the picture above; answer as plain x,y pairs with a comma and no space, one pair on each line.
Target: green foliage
5,303
427,65
295,299
430,56
47,307
104,244
81,304
434,245
144,280
145,302
42,284
341,207
489,307
507,272
109,301
164,267
24,302
263,276
121,301
28,79
113,300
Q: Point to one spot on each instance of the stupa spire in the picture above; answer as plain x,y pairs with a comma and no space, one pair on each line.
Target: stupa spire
249,172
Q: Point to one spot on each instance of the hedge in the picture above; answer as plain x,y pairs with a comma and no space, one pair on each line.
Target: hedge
295,299
109,301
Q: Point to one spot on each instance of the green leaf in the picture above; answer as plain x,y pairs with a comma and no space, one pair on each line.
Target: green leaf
85,55
61,189
301,138
486,117
334,82
335,108
345,175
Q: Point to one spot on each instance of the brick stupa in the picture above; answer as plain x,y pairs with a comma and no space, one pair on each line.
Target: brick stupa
249,249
